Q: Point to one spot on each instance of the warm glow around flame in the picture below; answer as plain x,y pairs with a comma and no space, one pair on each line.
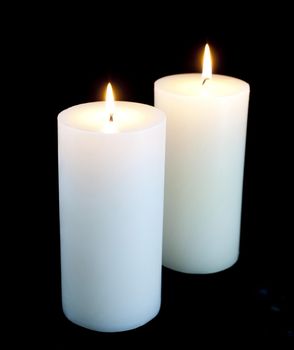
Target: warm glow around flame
109,100
207,69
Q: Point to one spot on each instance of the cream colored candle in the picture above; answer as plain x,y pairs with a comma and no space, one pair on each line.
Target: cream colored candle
206,135
111,175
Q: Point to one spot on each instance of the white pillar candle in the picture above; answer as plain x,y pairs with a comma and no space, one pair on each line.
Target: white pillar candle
111,176
206,134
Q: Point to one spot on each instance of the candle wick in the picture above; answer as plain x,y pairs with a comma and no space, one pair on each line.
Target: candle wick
204,81
111,117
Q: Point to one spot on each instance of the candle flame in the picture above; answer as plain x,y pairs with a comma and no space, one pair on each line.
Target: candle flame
207,69
110,126
109,100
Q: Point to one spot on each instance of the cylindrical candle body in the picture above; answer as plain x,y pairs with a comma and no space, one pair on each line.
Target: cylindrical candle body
206,134
111,208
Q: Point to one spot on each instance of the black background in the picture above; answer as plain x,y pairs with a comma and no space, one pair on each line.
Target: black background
68,56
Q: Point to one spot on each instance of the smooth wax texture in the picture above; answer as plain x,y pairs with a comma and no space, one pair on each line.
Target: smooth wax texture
111,209
206,135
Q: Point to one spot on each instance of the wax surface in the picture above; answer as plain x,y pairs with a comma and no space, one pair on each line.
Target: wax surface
206,135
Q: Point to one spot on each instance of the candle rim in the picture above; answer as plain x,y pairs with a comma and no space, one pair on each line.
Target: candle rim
244,86
159,118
